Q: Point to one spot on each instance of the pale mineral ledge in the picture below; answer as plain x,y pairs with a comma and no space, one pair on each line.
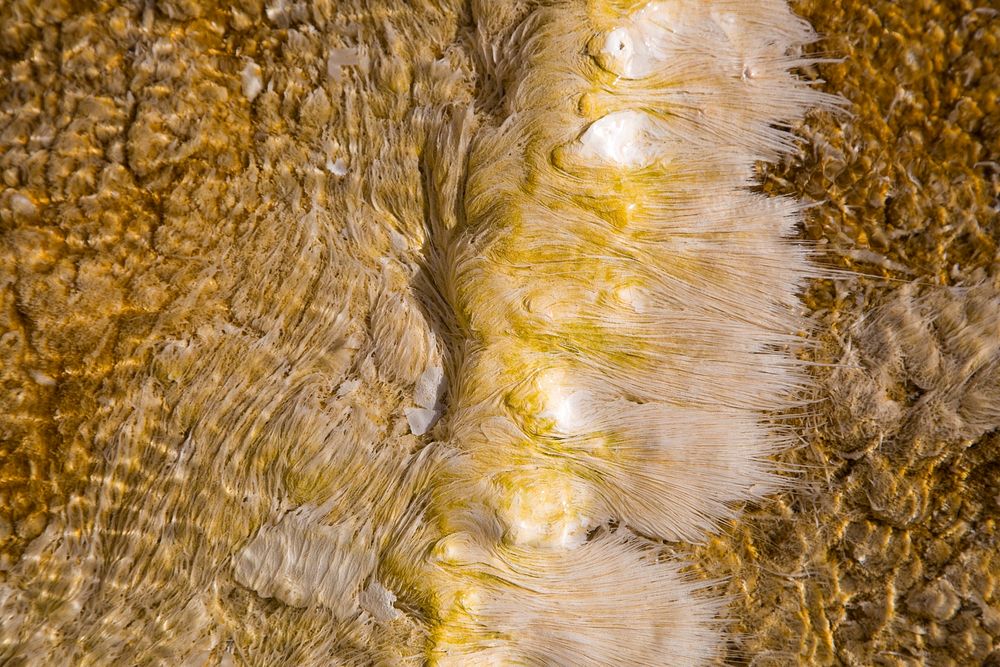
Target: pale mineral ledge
626,296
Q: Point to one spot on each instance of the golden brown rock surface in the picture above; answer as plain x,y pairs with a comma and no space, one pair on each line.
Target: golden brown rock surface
142,250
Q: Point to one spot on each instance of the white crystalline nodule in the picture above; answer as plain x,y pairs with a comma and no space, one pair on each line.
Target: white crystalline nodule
430,387
378,601
420,419
252,83
427,395
23,206
563,404
655,35
638,48
619,47
337,167
624,138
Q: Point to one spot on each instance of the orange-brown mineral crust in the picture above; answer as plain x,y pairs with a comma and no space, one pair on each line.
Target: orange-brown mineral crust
140,202
114,170
164,268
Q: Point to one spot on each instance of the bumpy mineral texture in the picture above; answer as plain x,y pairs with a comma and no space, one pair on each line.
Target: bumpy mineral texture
166,175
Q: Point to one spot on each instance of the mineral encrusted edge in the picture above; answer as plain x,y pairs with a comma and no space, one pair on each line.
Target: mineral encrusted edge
109,562
634,306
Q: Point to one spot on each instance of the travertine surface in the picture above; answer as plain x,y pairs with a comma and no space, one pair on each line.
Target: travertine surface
193,346
153,159
890,555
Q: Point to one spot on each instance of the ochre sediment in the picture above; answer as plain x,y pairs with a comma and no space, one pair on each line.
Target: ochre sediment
197,312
